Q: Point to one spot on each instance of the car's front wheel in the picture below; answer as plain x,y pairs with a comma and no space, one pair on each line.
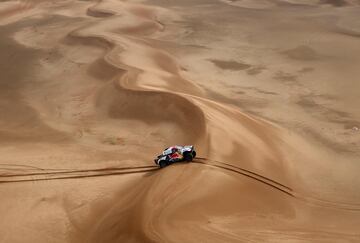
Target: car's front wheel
162,164
188,157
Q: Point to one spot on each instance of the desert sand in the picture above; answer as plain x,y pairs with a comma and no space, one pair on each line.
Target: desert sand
268,91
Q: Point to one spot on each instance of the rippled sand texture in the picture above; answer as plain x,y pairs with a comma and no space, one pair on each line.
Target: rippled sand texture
268,92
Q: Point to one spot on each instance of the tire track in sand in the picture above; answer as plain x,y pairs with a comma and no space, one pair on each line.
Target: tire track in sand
74,174
45,174
259,178
277,185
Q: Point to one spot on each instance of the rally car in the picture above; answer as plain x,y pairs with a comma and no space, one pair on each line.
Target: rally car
175,154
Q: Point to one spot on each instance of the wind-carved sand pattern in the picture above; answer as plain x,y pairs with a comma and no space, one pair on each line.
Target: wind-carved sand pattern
99,72
261,4
230,65
304,53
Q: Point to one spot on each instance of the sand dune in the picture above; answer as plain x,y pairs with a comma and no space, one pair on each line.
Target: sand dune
91,91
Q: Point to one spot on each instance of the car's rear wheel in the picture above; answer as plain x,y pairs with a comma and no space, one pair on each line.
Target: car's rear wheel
194,154
162,164
188,157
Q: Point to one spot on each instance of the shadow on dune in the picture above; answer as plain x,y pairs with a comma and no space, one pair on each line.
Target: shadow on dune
159,107
120,219
19,121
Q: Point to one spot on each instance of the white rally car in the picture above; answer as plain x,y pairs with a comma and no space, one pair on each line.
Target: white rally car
175,154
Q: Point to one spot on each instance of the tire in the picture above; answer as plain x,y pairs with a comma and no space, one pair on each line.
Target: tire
194,154
188,157
162,164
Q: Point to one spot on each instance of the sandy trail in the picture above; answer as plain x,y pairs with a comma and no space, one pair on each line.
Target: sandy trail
91,91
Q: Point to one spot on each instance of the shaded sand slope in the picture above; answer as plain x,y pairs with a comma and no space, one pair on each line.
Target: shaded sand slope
92,90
